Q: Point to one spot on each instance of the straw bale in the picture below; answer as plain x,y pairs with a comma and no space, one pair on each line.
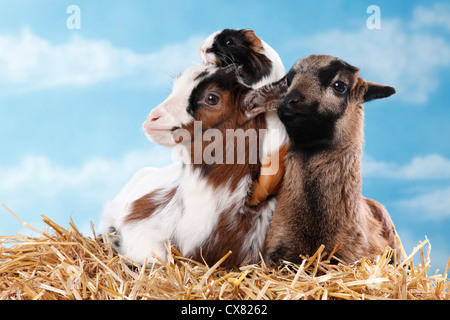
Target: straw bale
63,264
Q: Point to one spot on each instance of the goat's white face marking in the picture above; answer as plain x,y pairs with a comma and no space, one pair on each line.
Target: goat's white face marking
172,113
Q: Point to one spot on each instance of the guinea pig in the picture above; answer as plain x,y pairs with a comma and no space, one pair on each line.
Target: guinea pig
260,64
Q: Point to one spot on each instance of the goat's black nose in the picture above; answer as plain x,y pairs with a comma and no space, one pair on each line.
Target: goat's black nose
294,97
293,101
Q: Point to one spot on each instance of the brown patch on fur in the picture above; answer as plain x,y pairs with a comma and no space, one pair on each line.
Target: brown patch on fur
231,234
268,185
230,171
256,42
145,206
228,121
380,213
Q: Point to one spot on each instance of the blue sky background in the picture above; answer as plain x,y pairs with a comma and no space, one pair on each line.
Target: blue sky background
72,102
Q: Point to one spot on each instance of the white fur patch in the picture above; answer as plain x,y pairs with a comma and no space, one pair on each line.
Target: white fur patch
172,113
203,206
254,241
276,135
188,219
278,71
143,182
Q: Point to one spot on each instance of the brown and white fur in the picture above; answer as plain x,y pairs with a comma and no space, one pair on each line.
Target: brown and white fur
202,208
259,65
320,200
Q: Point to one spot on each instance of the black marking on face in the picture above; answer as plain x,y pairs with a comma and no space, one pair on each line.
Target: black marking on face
290,76
201,75
308,130
222,79
327,74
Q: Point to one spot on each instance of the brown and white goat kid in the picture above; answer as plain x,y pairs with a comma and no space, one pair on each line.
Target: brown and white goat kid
258,65
203,209
320,200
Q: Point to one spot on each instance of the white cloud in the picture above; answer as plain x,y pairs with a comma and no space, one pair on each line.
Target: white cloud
97,179
37,185
431,205
429,167
436,15
30,62
397,55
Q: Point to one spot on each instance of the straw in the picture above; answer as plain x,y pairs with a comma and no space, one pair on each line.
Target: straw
62,263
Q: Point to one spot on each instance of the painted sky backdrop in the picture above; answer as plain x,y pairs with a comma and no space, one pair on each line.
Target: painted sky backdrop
72,101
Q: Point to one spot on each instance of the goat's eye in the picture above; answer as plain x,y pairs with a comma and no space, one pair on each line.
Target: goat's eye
229,42
339,86
212,99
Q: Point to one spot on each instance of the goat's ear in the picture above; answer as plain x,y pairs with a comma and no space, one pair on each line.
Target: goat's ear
266,98
377,91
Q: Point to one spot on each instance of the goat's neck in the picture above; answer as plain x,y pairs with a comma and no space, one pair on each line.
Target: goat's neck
219,175
256,148
331,182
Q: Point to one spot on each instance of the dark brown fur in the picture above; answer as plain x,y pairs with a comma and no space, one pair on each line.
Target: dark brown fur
145,206
228,235
320,199
224,118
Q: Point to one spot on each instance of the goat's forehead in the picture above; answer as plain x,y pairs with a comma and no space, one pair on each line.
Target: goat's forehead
312,64
190,78
321,67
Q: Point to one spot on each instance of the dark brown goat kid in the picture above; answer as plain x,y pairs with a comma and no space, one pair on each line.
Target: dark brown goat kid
320,200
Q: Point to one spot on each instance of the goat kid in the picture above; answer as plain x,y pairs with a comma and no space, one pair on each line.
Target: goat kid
320,200
203,209
258,64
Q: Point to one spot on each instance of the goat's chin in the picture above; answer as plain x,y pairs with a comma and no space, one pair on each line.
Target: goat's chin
162,137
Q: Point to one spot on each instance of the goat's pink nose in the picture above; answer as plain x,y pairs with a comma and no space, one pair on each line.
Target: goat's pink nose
153,116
